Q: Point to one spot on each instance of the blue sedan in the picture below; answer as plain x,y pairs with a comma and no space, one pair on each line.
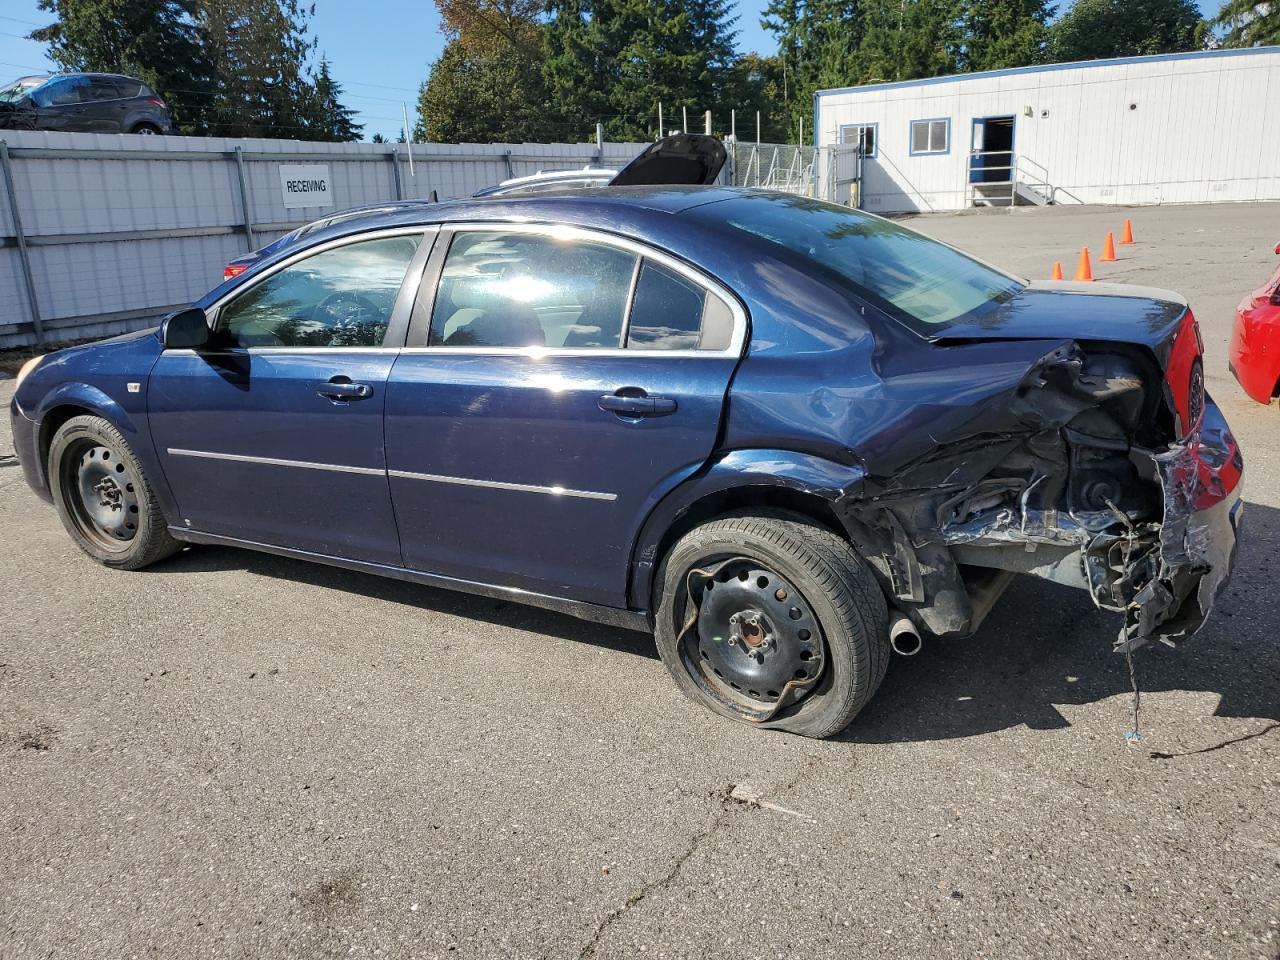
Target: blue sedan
785,436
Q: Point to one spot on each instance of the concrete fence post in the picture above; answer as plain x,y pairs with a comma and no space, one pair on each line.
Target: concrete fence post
24,256
245,203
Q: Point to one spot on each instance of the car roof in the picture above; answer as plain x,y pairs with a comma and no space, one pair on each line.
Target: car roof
573,204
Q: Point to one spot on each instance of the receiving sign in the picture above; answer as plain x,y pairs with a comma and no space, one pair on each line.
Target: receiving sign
305,185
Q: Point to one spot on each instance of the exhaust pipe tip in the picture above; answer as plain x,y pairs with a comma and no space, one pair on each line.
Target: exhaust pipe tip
904,639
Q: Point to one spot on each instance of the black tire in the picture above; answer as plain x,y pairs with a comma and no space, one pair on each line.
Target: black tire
146,129
104,499
834,586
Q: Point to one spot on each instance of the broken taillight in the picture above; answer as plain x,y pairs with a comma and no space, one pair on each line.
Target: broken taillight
1184,374
232,270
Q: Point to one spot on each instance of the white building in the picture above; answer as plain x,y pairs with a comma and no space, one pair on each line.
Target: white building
1178,128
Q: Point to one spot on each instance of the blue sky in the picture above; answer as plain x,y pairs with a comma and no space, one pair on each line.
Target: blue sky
379,49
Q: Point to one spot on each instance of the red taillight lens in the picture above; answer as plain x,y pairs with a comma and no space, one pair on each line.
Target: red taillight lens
232,270
157,102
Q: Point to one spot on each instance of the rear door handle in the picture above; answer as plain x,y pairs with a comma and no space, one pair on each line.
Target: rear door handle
636,403
341,388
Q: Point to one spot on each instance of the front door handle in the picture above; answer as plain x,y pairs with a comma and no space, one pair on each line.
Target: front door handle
633,402
341,388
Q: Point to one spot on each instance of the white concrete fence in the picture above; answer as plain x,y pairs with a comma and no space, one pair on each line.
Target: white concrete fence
104,233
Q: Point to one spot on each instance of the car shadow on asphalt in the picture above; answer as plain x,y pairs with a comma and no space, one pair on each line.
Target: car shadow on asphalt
1043,645
516,616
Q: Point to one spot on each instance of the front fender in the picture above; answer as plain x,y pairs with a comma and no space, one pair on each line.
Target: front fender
736,470
86,397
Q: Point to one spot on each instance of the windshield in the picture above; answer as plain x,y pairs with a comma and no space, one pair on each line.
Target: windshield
923,283
12,92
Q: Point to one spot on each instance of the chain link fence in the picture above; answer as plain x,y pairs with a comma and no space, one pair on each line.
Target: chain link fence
825,173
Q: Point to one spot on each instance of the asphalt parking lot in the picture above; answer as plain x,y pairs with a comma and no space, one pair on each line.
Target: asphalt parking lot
235,755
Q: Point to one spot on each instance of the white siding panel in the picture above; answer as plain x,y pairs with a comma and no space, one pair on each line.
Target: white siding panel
1205,127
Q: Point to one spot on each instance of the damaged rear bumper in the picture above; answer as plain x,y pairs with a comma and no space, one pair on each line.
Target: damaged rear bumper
1172,572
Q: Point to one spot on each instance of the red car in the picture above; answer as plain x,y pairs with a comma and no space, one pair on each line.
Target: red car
1255,341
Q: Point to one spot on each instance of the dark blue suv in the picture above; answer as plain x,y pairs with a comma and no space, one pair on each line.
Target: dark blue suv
785,436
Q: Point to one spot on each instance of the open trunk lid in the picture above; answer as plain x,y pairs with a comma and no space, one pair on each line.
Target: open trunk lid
683,159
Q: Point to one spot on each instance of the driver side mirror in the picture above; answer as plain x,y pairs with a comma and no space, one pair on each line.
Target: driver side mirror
185,330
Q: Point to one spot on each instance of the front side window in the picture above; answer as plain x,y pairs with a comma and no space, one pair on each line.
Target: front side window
512,289
925,284
341,297
63,92
930,136
863,134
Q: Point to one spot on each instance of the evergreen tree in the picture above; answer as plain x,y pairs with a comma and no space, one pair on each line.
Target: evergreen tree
906,41
1004,33
156,41
1248,23
260,49
1096,29
818,46
329,119
614,61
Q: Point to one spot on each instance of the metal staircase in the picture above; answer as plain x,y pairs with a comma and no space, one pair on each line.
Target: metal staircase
1018,182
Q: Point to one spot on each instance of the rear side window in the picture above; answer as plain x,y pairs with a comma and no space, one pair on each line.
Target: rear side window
129,88
102,88
671,312
514,289
339,298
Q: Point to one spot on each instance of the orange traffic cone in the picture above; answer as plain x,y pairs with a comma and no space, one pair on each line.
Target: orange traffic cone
1126,235
1084,271
1057,270
1109,249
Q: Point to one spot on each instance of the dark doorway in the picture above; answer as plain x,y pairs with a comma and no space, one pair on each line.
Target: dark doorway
991,150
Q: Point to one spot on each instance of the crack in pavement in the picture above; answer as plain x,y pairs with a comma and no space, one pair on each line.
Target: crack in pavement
635,899
732,797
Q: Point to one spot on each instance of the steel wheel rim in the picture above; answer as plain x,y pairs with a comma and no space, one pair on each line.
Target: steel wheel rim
751,640
101,493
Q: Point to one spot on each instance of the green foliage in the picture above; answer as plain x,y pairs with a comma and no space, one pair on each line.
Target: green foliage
154,40
1096,29
327,118
614,61
483,96
1247,23
226,67
1004,33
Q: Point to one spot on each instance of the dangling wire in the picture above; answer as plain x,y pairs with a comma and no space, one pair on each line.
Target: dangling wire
1133,737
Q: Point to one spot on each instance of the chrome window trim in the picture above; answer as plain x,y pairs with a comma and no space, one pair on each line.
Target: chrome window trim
556,491
425,231
549,353
638,248
292,351
276,462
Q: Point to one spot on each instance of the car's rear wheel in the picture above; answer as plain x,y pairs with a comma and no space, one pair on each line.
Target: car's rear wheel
105,500
772,621
146,130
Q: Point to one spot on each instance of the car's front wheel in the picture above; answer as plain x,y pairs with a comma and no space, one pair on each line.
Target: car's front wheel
772,621
103,497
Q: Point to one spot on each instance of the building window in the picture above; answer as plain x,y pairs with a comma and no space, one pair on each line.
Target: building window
863,134
930,136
